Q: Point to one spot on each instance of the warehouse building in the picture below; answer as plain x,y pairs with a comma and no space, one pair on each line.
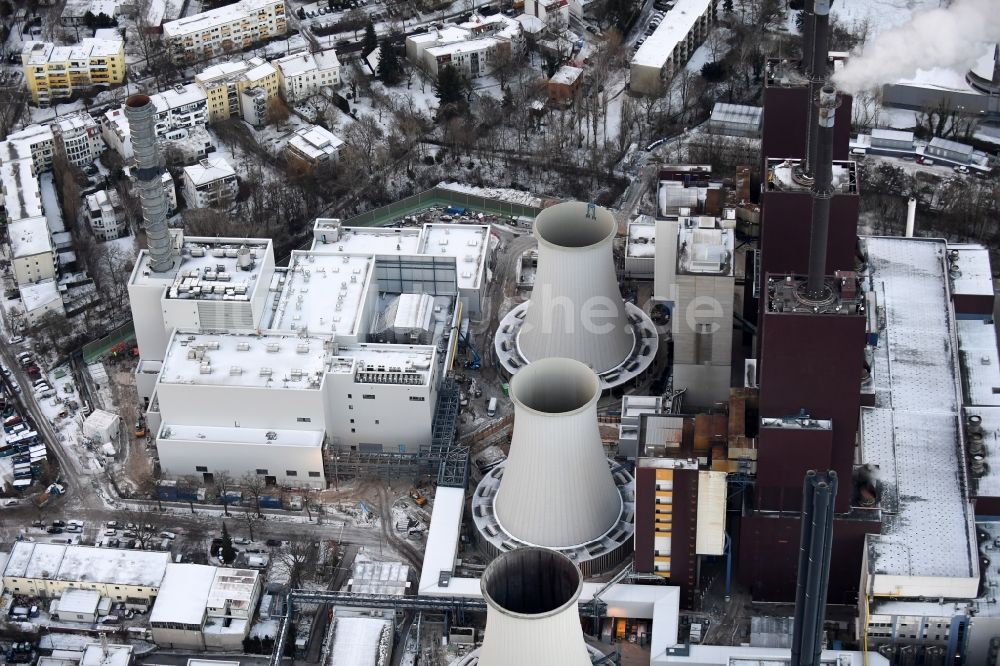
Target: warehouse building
48,570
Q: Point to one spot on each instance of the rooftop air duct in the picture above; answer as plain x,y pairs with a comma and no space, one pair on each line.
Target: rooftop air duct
557,490
532,618
576,309
141,113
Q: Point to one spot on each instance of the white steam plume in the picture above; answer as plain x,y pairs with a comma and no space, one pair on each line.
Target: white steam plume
952,37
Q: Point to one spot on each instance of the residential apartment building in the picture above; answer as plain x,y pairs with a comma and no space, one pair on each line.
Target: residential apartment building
548,10
682,31
302,75
105,215
210,183
22,196
55,72
313,145
48,569
39,299
79,138
471,58
224,84
229,29
254,102
32,255
35,143
469,46
180,107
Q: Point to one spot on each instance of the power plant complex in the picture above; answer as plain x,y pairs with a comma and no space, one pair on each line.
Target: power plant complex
743,393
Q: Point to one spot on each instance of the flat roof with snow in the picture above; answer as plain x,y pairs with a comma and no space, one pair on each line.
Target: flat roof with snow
911,436
471,46
566,75
977,353
39,294
468,243
183,596
323,293
356,641
302,63
232,435
79,601
86,564
367,240
178,96
641,237
29,237
659,47
216,17
97,654
973,275
208,171
316,142
22,195
219,269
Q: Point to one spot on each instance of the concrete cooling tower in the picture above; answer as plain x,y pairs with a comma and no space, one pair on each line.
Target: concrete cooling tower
556,489
576,309
532,617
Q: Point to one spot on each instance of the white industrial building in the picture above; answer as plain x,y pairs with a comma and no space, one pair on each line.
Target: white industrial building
695,275
683,29
204,607
211,183
76,605
48,569
79,137
102,426
105,215
296,371
304,74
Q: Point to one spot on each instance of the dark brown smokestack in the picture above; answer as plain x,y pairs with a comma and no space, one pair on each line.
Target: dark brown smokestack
817,74
807,37
996,65
822,192
818,498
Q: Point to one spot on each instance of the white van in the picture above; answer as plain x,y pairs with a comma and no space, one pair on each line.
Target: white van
491,408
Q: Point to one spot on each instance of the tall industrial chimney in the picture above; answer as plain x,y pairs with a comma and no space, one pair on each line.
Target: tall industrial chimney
911,217
817,76
532,618
140,113
814,567
557,489
822,191
807,37
576,309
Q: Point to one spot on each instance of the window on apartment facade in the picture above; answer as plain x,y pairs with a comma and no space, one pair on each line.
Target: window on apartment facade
198,468
368,396
291,472
261,471
304,419
314,475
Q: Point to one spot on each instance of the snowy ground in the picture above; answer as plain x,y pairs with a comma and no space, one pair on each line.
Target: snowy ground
881,15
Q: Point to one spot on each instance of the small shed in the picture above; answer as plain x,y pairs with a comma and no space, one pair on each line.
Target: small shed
564,84
78,605
101,426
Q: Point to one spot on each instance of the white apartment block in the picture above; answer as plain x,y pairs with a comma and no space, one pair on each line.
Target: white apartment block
683,29
254,102
105,215
22,195
548,10
180,107
79,137
39,299
469,46
471,58
34,142
32,255
210,184
303,74
229,29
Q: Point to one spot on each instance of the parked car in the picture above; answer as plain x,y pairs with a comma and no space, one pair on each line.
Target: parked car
58,523
54,530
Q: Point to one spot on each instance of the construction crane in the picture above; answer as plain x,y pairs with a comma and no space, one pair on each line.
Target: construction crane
477,361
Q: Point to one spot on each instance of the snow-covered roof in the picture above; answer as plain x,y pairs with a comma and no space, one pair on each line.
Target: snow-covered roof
316,142
566,75
86,564
736,114
951,146
306,300
79,601
208,171
29,236
892,135
468,243
260,72
302,63
223,70
373,240
676,25
216,17
641,237
356,641
277,361
183,595
249,436
178,96
470,46
233,590
22,195
371,577
531,24
75,122
39,294
39,53
977,353
704,249
97,654
911,436
973,276
101,419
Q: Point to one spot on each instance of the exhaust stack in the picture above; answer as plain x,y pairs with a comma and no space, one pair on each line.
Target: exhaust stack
911,217
140,113
815,545
531,617
557,490
807,37
817,73
576,309
822,192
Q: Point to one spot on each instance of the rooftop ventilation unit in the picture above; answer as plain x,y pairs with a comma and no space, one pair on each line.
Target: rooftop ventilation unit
557,490
531,617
